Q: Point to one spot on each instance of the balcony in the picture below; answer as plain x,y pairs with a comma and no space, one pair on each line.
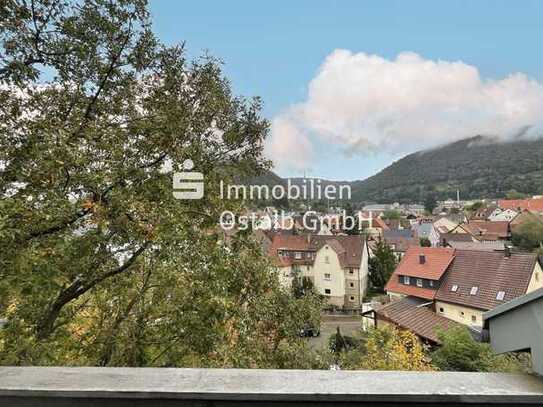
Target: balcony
104,387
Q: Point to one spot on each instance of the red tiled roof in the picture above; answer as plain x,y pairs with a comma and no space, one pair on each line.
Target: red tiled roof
491,272
534,205
437,260
408,313
380,223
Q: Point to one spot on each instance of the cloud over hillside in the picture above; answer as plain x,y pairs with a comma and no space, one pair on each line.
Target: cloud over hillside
360,103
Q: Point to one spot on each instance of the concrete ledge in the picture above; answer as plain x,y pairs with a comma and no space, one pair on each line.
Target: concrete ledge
56,386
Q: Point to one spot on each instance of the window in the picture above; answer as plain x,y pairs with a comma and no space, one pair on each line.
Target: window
474,290
298,255
454,288
351,298
406,280
327,291
419,282
462,314
351,271
327,276
473,318
326,259
431,282
308,255
500,296
351,285
441,309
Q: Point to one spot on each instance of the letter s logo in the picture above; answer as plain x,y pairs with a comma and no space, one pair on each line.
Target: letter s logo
188,185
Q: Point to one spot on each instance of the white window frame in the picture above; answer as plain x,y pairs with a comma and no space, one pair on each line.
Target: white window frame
298,255
454,288
500,295
327,276
419,282
474,290
406,280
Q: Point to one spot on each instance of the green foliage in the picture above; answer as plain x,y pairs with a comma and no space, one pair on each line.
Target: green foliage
476,166
391,214
302,286
99,264
430,203
460,352
381,265
425,242
529,235
338,343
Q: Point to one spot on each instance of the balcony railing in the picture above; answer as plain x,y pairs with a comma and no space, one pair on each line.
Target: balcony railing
104,387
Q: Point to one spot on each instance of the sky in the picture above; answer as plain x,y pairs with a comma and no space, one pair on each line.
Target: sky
351,86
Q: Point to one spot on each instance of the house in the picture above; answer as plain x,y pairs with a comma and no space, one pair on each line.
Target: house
400,240
419,272
483,213
478,281
447,239
444,224
336,265
413,314
461,285
499,214
523,217
485,230
426,230
533,205
516,326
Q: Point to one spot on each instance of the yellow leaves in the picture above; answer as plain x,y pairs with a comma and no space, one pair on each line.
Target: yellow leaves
392,349
89,205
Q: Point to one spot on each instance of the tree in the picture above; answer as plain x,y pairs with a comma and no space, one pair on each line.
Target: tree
393,349
392,214
460,352
430,203
529,235
381,265
425,242
99,263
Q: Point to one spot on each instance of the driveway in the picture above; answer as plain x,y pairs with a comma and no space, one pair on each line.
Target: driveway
348,325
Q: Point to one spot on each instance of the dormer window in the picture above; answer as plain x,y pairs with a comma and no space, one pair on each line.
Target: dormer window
419,282
298,255
406,280
500,296
454,288
474,290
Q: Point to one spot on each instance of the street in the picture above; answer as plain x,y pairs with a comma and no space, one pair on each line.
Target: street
348,325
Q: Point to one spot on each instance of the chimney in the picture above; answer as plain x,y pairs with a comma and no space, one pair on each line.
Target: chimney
422,259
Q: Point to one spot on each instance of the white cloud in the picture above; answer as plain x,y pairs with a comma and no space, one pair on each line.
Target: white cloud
364,103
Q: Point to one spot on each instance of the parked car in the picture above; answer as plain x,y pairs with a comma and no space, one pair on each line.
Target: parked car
309,331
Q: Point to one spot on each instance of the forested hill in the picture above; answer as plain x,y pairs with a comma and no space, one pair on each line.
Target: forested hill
476,166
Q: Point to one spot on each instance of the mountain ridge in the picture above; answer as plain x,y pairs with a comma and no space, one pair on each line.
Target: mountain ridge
478,167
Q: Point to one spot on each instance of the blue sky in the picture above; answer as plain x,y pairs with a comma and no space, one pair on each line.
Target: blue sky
275,49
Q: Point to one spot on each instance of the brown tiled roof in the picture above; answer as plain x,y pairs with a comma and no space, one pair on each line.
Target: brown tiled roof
352,245
436,262
408,313
348,248
491,272
481,229
534,205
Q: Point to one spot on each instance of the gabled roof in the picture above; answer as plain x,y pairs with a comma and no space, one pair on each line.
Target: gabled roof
491,272
455,237
436,262
488,245
487,230
437,259
408,313
348,248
